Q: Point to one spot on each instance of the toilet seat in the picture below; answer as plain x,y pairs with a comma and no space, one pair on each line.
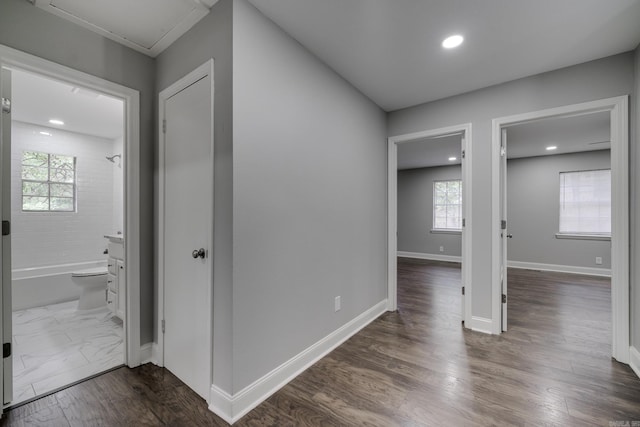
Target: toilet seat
90,272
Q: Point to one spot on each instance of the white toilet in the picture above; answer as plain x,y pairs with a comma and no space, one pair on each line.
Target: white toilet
93,283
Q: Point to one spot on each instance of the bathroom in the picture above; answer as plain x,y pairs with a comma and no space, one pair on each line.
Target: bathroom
67,246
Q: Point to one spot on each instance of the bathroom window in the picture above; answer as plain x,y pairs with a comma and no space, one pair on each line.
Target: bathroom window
48,182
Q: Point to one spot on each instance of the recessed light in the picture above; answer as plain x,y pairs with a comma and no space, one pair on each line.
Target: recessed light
45,133
56,122
452,41
551,148
453,159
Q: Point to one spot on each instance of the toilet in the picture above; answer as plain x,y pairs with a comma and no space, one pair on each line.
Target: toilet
93,284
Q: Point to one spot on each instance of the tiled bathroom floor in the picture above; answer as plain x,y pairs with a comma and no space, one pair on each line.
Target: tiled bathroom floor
55,345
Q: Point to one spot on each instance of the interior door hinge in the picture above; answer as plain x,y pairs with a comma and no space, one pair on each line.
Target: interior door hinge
504,299
463,290
6,105
464,222
6,350
463,154
6,228
164,125
163,326
503,151
503,224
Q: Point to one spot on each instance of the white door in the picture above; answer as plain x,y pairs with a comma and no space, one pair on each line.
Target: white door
5,189
188,224
504,229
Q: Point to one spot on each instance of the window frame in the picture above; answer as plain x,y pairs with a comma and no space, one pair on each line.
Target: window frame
581,235
434,206
48,182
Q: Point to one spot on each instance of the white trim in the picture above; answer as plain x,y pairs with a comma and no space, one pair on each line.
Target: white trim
203,71
146,353
634,360
591,271
432,257
481,324
12,58
618,108
392,210
233,407
582,236
199,12
445,231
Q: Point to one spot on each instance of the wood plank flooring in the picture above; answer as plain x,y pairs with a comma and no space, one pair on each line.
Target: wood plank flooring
414,367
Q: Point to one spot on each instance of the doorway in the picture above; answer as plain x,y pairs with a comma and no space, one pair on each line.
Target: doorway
82,85
442,224
186,229
617,110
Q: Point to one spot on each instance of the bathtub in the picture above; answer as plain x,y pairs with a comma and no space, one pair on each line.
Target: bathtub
40,286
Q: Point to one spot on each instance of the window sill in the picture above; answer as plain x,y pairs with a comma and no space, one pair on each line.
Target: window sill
445,231
583,236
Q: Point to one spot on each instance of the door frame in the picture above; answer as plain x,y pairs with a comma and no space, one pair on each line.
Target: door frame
203,71
392,215
14,59
618,108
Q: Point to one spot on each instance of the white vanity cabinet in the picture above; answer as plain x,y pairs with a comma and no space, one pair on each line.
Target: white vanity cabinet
116,277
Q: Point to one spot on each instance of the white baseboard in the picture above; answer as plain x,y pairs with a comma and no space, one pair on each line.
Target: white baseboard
146,353
481,324
591,271
634,360
432,257
233,407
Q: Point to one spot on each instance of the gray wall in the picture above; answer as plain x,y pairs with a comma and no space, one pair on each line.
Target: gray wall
34,31
211,38
612,76
415,211
309,198
635,206
533,206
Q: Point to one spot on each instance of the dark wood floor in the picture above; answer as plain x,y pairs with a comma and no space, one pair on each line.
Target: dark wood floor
415,367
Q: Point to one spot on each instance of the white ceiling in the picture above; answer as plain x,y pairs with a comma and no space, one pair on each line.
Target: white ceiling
429,152
571,134
36,100
390,49
587,132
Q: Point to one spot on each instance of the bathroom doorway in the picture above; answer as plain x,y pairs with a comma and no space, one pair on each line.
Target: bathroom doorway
83,256
67,197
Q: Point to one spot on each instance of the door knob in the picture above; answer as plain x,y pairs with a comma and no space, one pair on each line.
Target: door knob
510,236
198,253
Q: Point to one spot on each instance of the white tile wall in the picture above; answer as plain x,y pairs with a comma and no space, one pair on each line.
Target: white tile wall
41,239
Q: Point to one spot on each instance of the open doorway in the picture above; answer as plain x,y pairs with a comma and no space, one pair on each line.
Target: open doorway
429,206
67,216
582,192
67,153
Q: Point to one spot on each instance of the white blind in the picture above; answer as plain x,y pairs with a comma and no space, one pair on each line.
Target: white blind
585,202
447,205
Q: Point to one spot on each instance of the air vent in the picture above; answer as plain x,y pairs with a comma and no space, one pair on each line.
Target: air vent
148,26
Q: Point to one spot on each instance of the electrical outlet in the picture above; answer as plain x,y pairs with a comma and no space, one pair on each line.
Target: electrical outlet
336,304
441,248
599,260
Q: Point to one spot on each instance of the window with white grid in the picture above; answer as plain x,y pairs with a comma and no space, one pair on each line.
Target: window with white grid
447,205
585,202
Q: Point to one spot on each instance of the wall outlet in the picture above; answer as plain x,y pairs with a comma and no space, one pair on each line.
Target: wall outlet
336,304
441,248
599,260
